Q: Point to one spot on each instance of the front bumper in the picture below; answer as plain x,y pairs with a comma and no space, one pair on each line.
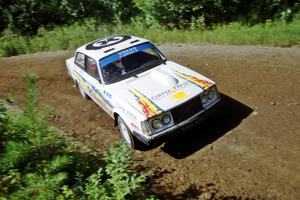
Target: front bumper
177,128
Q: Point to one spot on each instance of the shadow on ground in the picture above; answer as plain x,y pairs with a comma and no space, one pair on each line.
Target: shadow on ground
229,114
208,192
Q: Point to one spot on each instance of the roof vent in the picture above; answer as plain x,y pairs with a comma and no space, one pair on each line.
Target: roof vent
134,41
108,50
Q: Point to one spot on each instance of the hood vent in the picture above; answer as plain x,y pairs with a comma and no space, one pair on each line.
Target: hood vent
108,50
134,41
164,78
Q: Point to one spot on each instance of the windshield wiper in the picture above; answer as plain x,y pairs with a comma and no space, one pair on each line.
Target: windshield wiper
150,64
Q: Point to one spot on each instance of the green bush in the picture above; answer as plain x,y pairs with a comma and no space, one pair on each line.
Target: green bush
184,14
37,161
3,16
77,34
27,16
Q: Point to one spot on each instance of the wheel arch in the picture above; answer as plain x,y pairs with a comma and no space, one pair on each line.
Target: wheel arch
137,144
116,118
117,114
76,82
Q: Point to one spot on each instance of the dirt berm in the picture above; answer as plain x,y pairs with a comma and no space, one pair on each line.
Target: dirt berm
249,149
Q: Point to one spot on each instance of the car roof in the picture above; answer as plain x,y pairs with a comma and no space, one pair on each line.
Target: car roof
103,47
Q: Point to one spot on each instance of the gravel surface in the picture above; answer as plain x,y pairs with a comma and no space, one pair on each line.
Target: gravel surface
249,149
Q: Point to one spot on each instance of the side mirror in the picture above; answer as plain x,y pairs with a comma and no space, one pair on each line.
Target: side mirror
99,80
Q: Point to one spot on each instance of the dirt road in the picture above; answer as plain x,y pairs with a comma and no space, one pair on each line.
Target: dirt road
249,149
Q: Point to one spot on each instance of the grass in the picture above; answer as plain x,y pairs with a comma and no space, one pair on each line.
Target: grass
71,37
38,161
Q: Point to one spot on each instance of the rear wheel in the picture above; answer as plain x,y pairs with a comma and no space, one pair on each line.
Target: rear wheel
126,133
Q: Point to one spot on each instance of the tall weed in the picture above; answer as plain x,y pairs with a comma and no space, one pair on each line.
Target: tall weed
37,161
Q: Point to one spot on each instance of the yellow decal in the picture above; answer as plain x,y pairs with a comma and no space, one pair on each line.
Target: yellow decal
179,95
82,82
204,84
98,97
100,100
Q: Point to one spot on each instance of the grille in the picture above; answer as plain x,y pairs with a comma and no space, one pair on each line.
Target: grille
186,110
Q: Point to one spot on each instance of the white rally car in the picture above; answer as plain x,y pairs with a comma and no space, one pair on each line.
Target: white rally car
147,95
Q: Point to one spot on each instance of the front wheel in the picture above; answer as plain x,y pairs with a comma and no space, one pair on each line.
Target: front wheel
126,133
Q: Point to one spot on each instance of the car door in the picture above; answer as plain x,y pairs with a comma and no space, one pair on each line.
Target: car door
80,72
97,90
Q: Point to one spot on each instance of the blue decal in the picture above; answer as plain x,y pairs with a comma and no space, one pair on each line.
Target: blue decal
102,97
93,91
123,53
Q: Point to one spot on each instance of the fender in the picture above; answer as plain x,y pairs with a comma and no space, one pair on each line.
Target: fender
129,118
69,63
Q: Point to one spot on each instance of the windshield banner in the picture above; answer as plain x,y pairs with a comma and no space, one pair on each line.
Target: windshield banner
123,53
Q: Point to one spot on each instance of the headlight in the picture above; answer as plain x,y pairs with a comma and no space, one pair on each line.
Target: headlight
211,94
166,119
204,98
161,122
156,124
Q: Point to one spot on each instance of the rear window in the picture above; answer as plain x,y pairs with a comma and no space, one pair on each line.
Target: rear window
80,59
91,67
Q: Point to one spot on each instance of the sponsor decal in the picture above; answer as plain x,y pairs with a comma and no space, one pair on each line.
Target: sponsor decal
148,107
204,84
172,91
93,91
135,126
100,98
82,82
107,94
127,113
106,42
127,52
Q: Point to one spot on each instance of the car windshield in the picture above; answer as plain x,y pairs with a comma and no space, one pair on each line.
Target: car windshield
130,62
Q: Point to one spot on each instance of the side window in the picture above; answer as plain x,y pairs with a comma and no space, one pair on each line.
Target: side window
91,67
80,59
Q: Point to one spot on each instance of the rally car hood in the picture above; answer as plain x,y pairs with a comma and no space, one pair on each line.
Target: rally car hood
161,88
